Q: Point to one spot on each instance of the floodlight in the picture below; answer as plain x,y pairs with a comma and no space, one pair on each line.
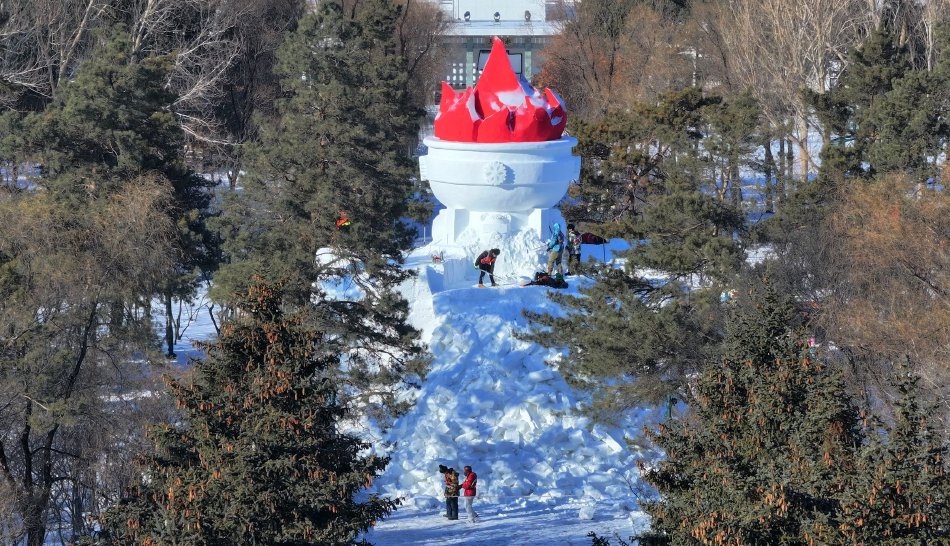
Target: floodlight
468,16
527,16
497,17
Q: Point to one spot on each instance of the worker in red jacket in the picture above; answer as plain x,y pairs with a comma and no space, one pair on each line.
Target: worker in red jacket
468,493
485,263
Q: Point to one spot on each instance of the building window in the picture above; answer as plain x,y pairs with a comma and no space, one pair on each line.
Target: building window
456,76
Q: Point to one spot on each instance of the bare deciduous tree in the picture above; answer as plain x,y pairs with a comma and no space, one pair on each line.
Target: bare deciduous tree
935,13
420,27
200,37
10,525
614,54
41,42
779,49
914,25
69,337
894,298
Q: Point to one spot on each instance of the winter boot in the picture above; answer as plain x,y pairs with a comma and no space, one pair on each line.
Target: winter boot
480,285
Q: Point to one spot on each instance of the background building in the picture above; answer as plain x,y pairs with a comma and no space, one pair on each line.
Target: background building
526,26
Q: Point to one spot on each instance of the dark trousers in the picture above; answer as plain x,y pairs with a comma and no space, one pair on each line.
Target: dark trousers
452,507
574,263
481,274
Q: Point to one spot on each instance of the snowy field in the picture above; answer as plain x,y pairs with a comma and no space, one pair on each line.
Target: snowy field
524,524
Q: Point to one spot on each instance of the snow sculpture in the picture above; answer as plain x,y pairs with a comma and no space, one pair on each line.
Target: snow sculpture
502,107
498,163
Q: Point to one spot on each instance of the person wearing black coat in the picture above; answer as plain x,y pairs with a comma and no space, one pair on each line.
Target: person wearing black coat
451,479
485,263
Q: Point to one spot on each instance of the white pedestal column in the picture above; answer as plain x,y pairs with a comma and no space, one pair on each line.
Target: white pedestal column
496,196
497,189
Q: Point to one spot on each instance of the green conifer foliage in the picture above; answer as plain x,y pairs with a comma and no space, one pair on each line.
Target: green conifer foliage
903,496
688,232
626,340
629,338
884,115
114,123
751,462
627,156
111,123
911,125
773,451
338,145
736,129
258,457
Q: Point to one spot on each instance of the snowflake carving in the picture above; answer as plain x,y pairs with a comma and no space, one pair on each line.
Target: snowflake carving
495,173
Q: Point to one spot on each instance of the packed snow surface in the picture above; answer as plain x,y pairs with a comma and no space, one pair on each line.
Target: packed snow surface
491,401
548,522
546,475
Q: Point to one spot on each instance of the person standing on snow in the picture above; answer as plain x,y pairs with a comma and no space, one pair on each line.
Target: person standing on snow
468,493
485,263
573,250
555,249
451,479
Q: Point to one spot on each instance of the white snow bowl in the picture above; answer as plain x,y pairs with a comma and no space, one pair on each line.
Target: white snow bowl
499,177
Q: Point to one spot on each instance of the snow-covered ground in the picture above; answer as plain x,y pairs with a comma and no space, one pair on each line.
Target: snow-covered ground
493,402
527,523
547,476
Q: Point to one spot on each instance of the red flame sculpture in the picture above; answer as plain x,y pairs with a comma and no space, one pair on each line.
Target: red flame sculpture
501,108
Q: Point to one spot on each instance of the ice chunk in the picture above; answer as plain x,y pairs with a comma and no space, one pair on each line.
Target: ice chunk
586,512
542,376
426,502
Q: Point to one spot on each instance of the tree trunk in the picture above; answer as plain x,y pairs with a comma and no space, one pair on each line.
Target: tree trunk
233,178
780,172
77,507
720,180
34,520
769,168
803,147
789,168
169,330
735,184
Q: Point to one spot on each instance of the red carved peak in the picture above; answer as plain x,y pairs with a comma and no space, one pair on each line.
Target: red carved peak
502,107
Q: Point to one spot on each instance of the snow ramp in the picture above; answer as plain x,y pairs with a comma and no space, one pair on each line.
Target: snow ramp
490,401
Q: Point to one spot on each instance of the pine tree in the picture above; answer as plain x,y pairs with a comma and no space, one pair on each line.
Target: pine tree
884,115
114,123
756,459
773,451
630,338
258,456
337,146
110,219
733,135
687,232
910,125
627,341
627,156
902,496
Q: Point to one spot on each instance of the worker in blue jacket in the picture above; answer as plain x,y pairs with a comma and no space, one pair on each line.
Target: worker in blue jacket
555,249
